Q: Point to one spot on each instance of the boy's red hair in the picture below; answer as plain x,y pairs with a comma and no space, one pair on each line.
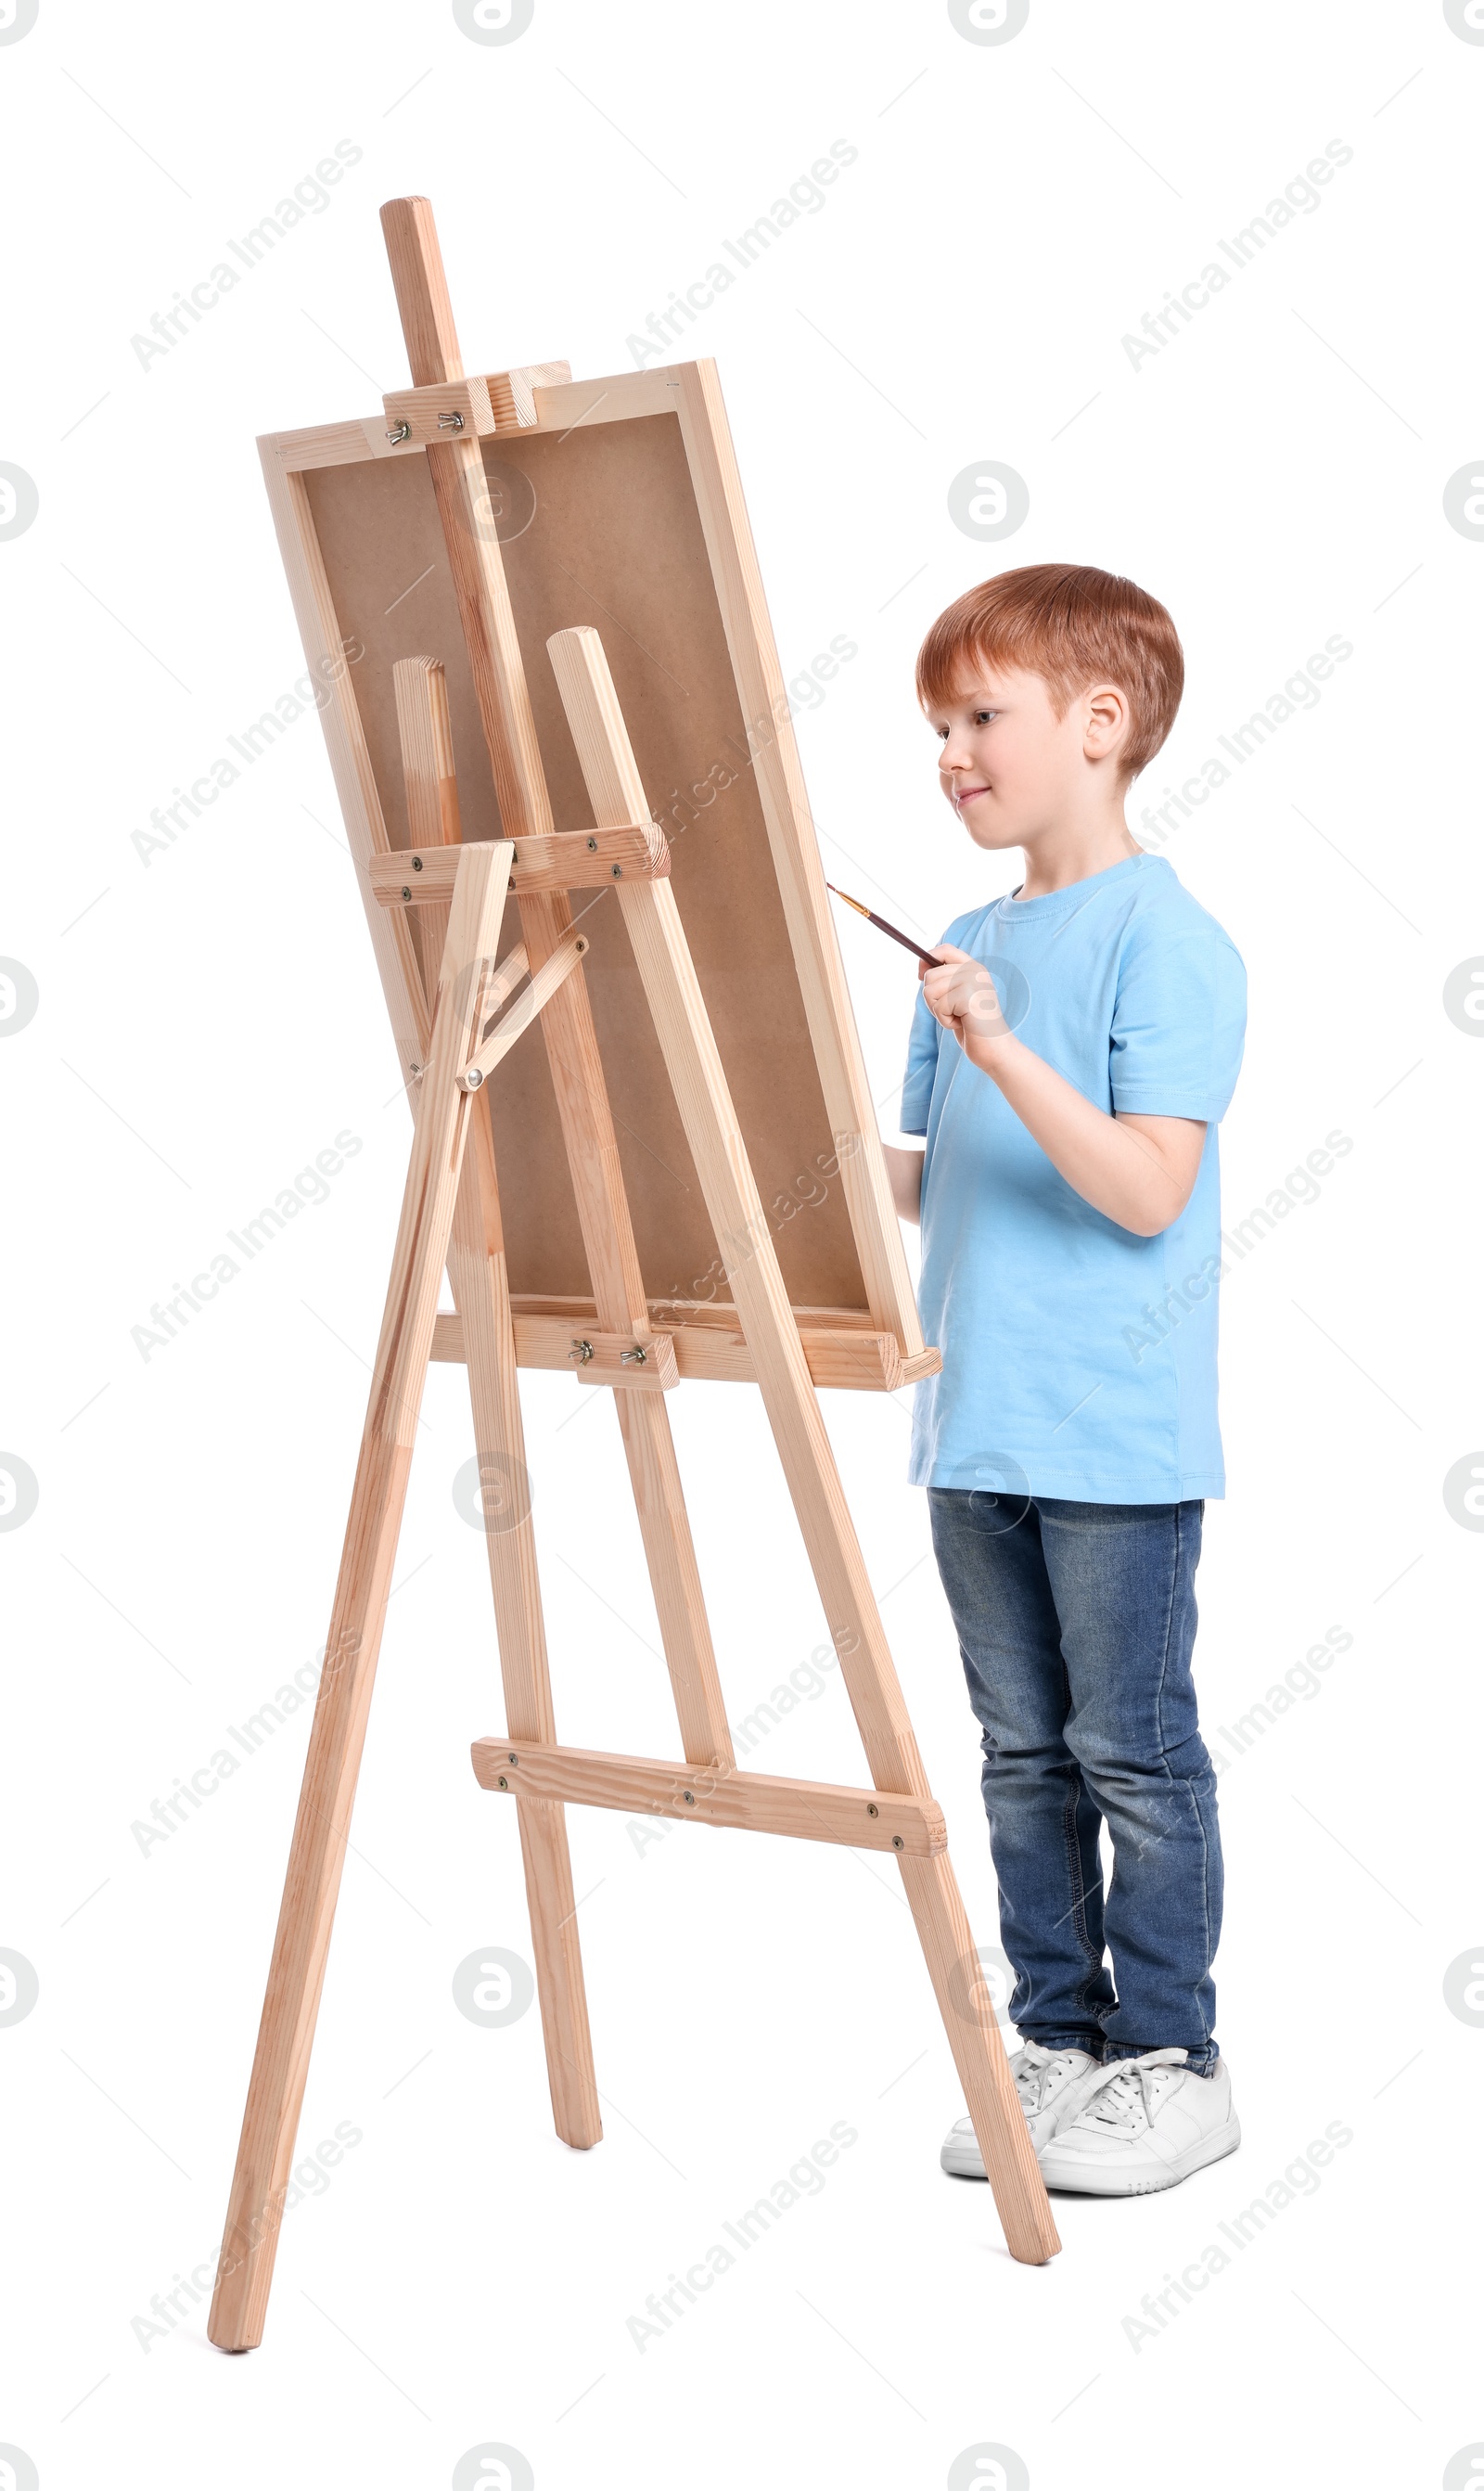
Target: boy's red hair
1073,626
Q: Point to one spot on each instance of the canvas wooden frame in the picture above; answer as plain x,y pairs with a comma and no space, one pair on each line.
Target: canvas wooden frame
869,1335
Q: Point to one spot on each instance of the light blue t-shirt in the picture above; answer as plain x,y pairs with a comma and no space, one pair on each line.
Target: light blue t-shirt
1079,1360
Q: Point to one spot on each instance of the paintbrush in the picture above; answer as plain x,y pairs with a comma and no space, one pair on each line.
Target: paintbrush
929,958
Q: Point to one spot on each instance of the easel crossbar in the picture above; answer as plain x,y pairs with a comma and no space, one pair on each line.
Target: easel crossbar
866,1820
560,861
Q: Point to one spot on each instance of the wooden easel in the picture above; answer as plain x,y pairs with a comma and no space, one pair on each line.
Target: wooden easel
443,901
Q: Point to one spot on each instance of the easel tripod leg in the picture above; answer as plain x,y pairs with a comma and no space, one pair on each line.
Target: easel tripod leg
553,1908
979,2054
742,1231
477,1277
476,1269
311,1887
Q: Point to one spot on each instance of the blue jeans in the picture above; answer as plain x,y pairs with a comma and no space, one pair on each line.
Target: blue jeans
1075,1622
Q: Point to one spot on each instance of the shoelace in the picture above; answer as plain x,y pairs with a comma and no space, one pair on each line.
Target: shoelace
1124,2089
1031,2078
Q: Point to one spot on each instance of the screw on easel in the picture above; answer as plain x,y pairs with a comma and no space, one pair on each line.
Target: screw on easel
690,1798
617,871
582,1349
871,1808
592,845
504,1784
417,865
450,422
633,1357
406,892
896,1842
397,432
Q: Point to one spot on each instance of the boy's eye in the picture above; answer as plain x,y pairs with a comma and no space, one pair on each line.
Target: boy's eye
982,717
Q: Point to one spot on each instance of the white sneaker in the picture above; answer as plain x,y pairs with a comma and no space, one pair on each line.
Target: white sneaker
1140,2124
1050,2083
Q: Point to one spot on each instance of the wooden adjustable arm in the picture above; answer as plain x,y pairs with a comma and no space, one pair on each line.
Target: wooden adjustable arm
552,974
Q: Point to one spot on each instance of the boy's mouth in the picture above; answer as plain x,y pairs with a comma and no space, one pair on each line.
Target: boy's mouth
966,795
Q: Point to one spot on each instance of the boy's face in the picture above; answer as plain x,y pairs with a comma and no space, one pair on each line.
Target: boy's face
1009,767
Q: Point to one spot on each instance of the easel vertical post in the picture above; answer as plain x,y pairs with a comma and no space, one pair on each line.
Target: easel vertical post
457,473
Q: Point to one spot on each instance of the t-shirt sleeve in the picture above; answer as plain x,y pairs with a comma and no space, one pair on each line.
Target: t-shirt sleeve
1176,1044
922,1069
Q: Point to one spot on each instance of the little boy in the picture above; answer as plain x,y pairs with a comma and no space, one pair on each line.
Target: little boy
1068,1066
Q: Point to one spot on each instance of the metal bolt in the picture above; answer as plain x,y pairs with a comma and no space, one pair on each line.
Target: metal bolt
582,1349
592,845
450,423
417,865
504,1784
633,1357
690,1798
406,892
400,432
514,1760
896,1842
474,1078
617,870
871,1808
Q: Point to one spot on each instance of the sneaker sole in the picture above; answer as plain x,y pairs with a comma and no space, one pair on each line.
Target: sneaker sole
1090,2180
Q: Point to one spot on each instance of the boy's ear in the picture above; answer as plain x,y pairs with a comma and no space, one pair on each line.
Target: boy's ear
1107,719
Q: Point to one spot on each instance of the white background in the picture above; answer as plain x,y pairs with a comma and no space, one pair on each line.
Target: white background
210,1020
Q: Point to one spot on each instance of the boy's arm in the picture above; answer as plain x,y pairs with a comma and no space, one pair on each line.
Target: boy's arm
1138,1170
904,1170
